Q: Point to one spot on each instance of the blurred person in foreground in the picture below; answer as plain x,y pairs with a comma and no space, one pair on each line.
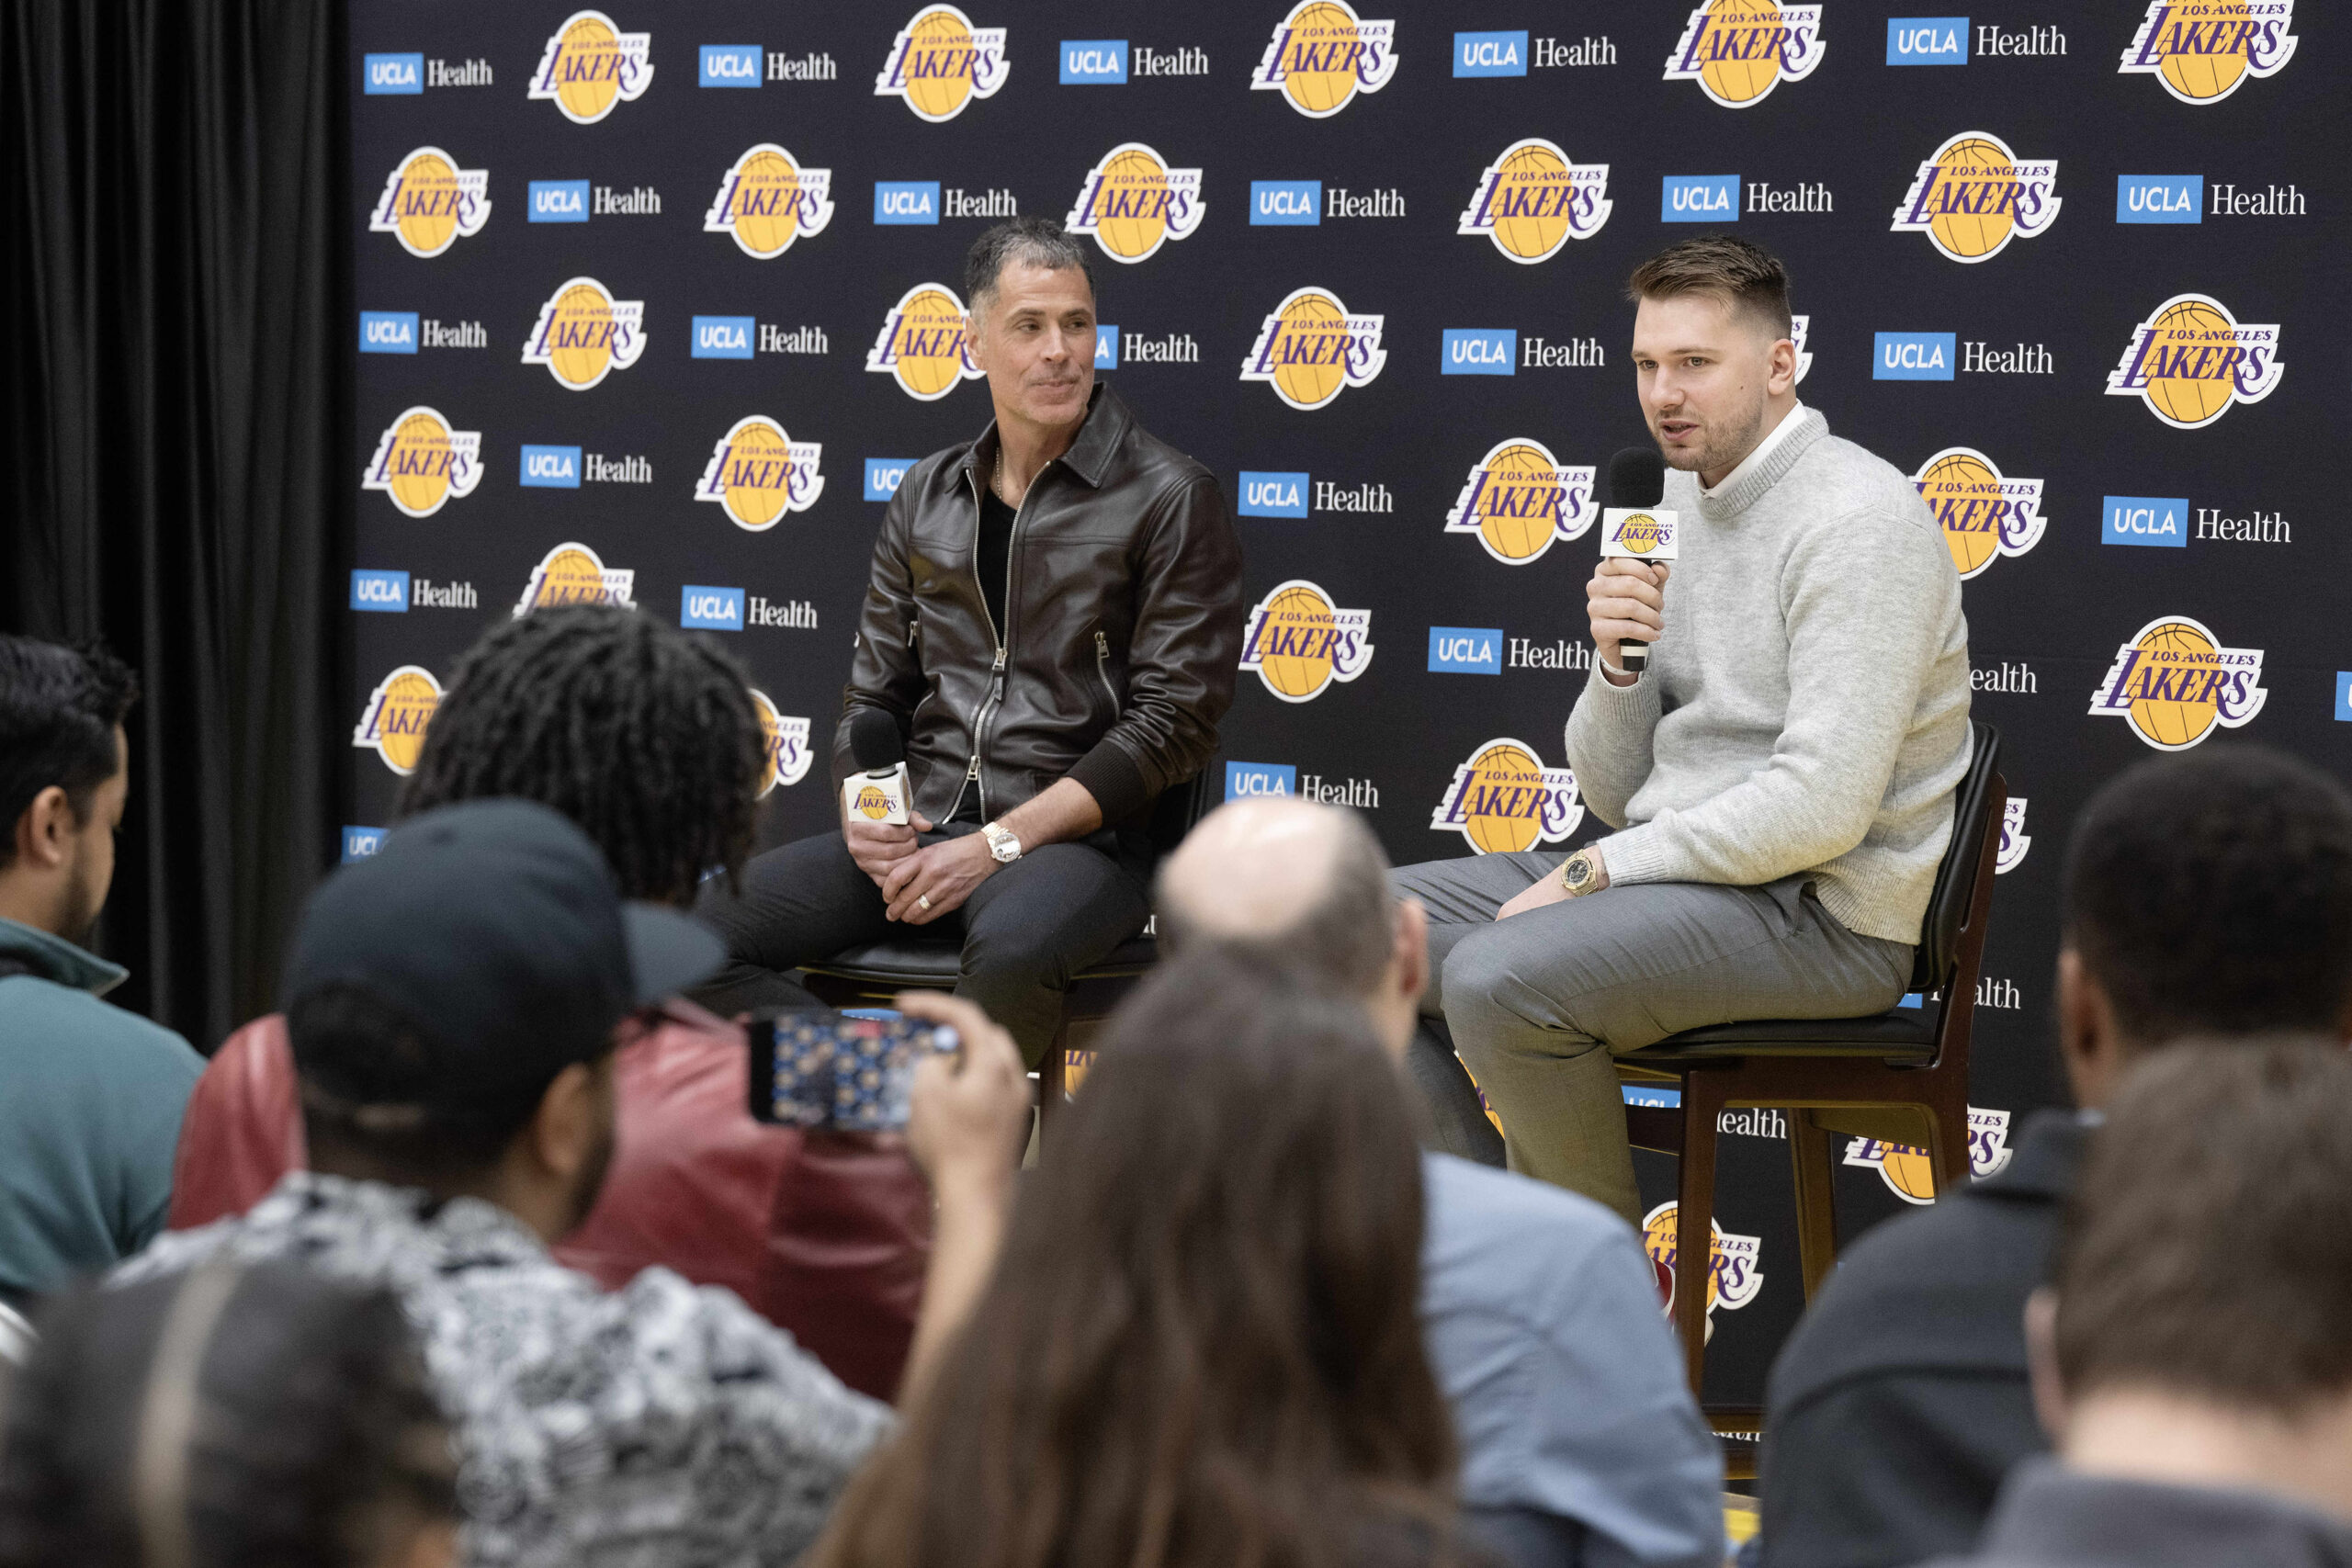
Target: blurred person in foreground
1200,1345
645,736
230,1417
90,1095
2207,896
2194,1362
1580,1444
452,1002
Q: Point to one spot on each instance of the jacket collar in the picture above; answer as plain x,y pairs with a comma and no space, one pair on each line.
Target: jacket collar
2050,1513
1737,497
54,958
1107,421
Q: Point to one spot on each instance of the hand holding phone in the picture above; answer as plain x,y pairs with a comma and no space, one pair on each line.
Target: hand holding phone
830,1070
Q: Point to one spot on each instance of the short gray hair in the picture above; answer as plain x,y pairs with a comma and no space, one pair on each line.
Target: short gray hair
1344,940
1031,241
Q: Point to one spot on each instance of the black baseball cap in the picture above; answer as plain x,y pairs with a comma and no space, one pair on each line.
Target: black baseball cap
493,929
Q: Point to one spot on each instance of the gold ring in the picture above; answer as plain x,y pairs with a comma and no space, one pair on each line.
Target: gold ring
922,901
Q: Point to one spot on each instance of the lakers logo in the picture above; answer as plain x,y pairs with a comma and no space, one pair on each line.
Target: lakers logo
1299,642
2191,360
421,462
1738,51
392,725
940,63
591,64
584,334
1910,1175
1983,515
428,201
768,200
2015,840
784,745
1310,347
1324,55
1975,196
2204,50
1518,499
1133,203
1638,534
575,574
1733,1272
1504,800
1799,326
923,344
757,473
1532,200
2174,681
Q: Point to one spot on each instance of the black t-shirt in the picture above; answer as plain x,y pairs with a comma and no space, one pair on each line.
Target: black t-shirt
993,556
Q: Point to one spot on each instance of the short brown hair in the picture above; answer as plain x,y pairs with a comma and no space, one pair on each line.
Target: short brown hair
1745,276
2208,1246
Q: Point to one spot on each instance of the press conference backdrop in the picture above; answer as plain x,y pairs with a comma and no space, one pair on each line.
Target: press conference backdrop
657,305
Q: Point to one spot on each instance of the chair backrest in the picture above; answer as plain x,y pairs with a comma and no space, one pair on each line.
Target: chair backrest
1956,876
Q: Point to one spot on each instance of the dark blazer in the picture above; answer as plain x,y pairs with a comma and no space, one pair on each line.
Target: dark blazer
2050,1516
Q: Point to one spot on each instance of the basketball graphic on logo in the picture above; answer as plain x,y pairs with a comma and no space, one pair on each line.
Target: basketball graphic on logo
428,215
1519,499
2168,720
2173,682
1325,90
2204,52
1496,774
1982,513
571,573
1310,347
1302,382
1733,1277
757,473
1139,235
923,343
583,335
1909,1172
1738,51
2203,78
1969,234
1298,618
398,711
872,804
589,65
1640,534
1963,477
420,471
939,32
1741,81
2190,400
768,201
1517,539
940,63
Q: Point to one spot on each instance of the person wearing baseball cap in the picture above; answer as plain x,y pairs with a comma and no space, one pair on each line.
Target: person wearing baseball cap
452,1003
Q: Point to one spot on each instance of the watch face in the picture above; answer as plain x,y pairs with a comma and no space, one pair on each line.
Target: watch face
1579,870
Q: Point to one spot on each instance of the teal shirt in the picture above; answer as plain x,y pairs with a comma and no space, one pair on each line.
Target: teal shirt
90,1104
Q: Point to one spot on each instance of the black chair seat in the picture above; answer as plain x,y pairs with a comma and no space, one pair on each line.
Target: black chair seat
1904,1036
932,964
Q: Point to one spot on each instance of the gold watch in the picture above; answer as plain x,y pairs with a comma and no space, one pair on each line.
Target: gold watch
1579,873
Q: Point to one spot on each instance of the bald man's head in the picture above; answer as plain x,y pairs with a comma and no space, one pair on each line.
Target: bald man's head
1306,884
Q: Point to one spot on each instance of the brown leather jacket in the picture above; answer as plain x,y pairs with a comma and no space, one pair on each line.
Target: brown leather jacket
1123,634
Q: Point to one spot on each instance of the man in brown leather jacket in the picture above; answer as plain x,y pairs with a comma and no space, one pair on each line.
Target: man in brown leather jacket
1055,624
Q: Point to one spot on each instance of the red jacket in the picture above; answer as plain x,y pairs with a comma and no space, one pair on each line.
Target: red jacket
826,1235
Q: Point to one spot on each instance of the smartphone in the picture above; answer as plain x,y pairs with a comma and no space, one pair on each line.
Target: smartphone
833,1071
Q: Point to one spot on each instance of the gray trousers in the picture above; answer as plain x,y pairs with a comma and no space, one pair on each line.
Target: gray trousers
1538,1003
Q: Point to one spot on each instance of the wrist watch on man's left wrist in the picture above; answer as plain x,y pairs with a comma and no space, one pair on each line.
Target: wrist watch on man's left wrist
1001,843
1581,873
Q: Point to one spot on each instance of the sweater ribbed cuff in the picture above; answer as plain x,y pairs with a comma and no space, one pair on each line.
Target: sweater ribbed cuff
1636,855
1111,776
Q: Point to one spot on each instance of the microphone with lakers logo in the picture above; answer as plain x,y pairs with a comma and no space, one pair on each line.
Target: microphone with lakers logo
1634,525
877,791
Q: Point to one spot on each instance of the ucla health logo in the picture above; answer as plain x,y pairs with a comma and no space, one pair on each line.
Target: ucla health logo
2173,682
1532,200
584,334
571,573
757,474
1504,798
1698,198
1310,347
784,743
2160,199
1984,514
1323,54
2191,360
2204,51
1738,51
2015,840
392,725
767,200
940,63
923,344
1518,499
1299,642
420,461
1914,356
428,201
1133,203
591,65
1974,196
1910,1173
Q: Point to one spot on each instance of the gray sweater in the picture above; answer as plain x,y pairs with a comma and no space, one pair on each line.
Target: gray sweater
1806,708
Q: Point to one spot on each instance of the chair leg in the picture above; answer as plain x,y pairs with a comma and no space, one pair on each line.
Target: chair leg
1052,1076
1948,1149
1815,1176
1694,1242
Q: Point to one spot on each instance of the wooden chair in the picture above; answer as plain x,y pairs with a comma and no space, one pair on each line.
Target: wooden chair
871,975
1901,1075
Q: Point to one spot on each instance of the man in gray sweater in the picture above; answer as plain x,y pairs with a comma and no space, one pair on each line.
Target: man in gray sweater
1782,773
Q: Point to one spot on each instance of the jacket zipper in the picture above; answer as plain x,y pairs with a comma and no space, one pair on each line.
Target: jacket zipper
995,698
1103,668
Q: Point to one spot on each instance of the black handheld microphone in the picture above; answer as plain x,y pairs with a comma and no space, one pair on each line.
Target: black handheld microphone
1636,526
877,791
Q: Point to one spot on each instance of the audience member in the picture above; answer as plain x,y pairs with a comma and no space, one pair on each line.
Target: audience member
1579,1440
90,1095
1200,1347
2194,1364
2206,895
645,737
451,1005
229,1416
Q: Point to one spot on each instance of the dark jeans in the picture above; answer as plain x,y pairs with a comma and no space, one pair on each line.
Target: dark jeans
1025,930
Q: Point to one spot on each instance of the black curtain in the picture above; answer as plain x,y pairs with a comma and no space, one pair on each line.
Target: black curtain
176,430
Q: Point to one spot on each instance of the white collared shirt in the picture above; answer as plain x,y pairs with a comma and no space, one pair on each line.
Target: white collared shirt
1772,438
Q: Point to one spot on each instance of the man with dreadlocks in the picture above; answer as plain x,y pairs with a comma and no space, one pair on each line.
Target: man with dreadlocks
826,1235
